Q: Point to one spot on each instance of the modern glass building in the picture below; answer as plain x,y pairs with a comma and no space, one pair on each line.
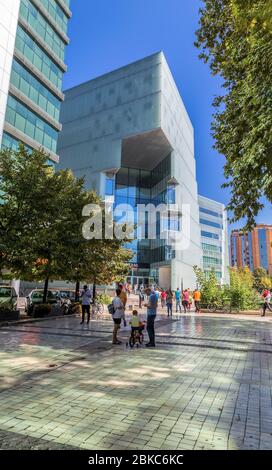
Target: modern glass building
214,238
33,37
252,249
129,135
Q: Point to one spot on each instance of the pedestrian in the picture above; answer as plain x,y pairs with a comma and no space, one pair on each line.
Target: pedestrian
267,299
190,300
178,300
86,302
197,297
185,300
169,302
163,298
117,315
123,298
151,315
141,296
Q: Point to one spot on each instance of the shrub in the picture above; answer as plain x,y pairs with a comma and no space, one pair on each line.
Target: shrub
41,310
104,299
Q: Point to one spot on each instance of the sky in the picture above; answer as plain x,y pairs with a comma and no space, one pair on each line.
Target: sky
108,34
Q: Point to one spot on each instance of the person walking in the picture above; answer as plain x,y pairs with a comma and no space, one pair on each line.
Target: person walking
185,300
117,315
267,299
151,315
141,296
178,300
197,297
163,298
86,302
190,302
169,302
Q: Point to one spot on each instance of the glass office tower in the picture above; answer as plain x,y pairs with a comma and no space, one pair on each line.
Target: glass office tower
32,46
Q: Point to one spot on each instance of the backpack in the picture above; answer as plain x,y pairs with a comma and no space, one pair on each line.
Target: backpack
111,309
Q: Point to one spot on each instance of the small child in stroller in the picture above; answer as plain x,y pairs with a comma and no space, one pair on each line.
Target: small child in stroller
137,327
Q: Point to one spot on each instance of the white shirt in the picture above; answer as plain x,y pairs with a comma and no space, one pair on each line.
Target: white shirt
86,297
118,307
268,298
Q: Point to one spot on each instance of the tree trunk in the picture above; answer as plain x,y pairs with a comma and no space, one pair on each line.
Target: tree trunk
45,290
94,291
77,291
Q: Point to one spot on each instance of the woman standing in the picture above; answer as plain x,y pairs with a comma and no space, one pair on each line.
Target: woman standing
118,314
185,300
169,302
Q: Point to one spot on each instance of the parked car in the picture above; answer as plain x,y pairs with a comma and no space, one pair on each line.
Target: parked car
35,297
8,297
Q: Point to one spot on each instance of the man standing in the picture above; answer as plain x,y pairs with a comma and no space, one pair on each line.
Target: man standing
267,299
151,315
178,298
86,301
123,296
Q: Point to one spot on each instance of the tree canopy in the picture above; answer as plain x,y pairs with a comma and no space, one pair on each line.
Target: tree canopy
41,224
235,39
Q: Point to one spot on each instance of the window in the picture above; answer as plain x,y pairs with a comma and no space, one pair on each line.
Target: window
57,13
208,211
210,223
38,58
109,191
30,124
209,235
42,27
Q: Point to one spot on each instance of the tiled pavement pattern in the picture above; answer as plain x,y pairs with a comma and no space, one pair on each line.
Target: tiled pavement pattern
207,385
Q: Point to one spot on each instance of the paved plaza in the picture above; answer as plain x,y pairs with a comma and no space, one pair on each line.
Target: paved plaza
207,385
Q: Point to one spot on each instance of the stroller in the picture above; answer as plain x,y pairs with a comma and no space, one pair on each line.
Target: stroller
136,336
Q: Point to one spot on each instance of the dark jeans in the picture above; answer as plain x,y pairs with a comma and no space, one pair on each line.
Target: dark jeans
85,308
197,309
265,306
169,309
150,329
185,305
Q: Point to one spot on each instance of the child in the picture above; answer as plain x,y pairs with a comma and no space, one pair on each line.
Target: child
136,324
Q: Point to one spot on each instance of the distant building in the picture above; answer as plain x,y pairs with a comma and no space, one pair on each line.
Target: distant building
252,249
214,238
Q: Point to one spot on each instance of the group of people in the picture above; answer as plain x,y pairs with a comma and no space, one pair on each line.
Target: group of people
151,298
119,306
184,298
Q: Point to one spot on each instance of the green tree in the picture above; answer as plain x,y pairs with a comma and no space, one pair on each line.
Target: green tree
241,292
235,39
41,224
208,285
258,275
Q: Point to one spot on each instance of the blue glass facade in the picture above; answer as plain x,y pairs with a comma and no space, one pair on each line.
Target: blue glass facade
39,78
263,248
135,186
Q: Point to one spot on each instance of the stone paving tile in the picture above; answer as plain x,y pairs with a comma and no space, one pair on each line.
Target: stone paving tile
207,385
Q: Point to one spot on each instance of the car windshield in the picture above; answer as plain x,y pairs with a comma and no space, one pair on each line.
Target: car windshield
65,293
5,292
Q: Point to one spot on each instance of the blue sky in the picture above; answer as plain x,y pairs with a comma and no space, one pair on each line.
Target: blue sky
107,34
